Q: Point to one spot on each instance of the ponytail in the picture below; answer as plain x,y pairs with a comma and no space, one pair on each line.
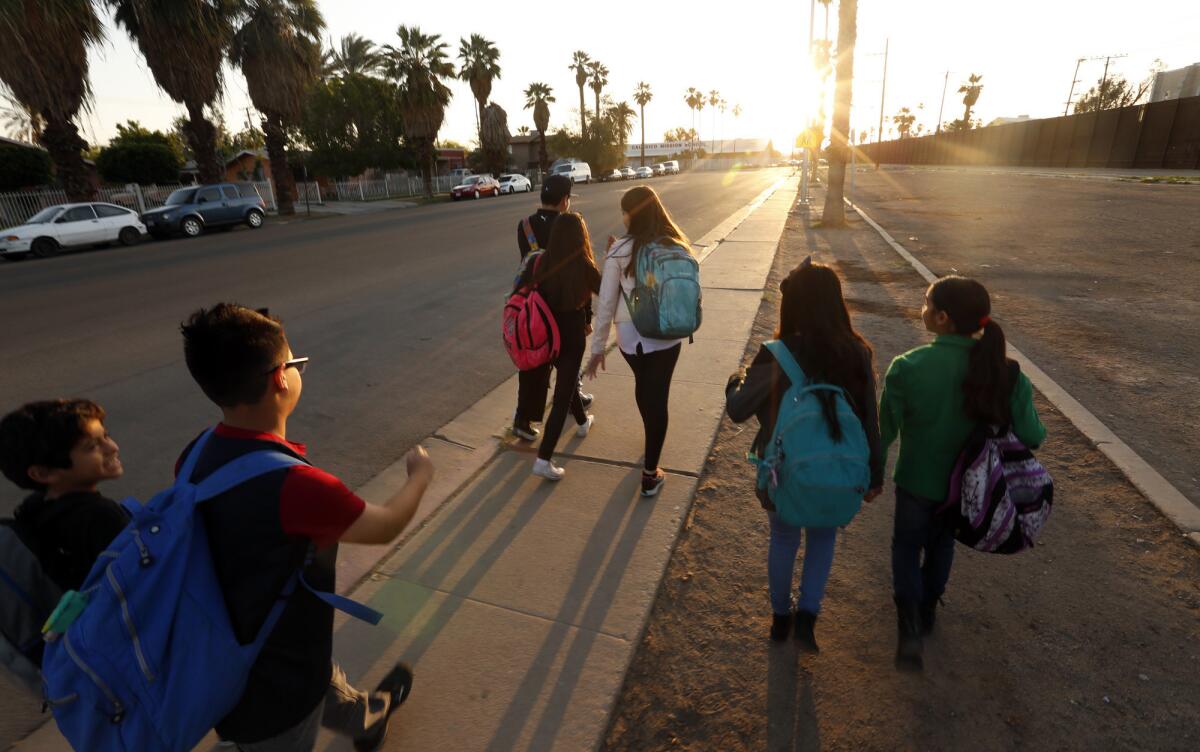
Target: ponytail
986,387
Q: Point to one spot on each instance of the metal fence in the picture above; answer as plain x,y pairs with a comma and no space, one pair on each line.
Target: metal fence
1159,135
19,206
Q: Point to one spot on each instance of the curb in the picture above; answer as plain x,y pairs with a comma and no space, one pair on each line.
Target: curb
1157,489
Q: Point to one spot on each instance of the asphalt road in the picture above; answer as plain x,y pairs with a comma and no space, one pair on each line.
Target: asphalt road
1094,279
399,311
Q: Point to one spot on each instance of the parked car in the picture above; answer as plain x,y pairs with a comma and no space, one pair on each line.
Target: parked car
190,210
579,172
671,167
612,175
644,172
515,183
659,169
628,173
476,186
460,175
70,226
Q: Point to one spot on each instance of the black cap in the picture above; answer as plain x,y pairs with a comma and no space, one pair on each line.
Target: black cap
555,189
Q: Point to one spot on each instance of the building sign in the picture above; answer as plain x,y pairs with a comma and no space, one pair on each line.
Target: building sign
660,149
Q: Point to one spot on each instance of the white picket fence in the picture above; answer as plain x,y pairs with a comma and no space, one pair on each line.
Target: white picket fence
391,186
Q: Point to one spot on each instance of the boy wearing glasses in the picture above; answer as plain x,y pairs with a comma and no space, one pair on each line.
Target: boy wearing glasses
264,530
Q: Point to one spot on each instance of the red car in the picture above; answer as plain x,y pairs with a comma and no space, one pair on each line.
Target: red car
476,186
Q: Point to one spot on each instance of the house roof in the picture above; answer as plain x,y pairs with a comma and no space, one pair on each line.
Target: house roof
530,139
26,144
256,153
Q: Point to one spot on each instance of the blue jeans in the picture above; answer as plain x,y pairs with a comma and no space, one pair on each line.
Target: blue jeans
918,530
781,563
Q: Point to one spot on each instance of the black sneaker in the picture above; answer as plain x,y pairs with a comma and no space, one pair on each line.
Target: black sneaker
804,634
397,684
652,483
525,431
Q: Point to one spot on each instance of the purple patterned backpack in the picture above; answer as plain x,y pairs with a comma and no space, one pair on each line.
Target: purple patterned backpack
1003,493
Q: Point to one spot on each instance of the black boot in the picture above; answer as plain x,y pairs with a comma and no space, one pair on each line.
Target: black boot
805,622
781,624
928,615
908,645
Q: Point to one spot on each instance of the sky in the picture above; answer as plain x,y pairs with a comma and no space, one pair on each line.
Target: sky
754,53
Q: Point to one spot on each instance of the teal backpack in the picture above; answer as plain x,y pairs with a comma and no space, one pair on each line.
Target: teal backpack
665,303
812,480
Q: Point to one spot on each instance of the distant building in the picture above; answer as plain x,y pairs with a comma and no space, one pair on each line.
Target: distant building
248,164
1176,84
1007,120
450,159
667,149
523,151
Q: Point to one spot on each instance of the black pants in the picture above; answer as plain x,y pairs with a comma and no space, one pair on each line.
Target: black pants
571,327
531,394
652,388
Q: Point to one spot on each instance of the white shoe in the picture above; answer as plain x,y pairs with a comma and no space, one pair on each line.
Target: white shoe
582,430
546,469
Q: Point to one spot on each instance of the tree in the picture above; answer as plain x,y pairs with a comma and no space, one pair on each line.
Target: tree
20,121
494,137
695,100
354,56
714,99
44,63
23,167
278,49
351,124
970,91
642,95
904,121
737,113
597,80
523,130
681,134
142,162
620,115
580,66
480,67
1111,93
834,214
420,68
538,98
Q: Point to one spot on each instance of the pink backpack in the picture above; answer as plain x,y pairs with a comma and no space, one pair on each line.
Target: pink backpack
530,331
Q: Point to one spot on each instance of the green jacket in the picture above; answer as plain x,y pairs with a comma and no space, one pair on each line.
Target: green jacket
922,403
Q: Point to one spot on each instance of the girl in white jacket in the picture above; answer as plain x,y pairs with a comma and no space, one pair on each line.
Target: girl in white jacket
651,360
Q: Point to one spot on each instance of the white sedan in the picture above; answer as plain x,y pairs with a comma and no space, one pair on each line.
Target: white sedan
645,172
70,226
515,184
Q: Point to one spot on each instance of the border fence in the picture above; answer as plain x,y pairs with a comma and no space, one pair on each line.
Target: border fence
1159,135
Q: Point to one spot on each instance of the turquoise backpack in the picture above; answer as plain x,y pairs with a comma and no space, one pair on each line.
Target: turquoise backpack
812,480
665,303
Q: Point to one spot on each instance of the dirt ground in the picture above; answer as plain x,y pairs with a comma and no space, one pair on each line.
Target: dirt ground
1090,641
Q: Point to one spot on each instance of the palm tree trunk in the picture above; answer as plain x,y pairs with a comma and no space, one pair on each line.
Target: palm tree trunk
596,114
543,157
967,118
285,182
643,119
66,149
430,166
834,214
582,114
202,137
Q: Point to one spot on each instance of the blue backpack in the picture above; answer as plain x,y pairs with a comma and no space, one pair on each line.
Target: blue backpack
812,480
151,663
666,299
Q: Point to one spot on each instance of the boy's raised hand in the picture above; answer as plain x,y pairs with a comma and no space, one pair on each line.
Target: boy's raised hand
418,463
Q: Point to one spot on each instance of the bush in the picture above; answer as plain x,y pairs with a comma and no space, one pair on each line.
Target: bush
139,162
22,167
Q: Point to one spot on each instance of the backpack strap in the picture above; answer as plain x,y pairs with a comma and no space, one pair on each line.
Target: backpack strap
787,362
242,469
530,237
189,462
359,611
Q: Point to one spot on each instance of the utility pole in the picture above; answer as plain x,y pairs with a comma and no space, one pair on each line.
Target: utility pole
812,22
1074,80
1104,78
883,92
942,107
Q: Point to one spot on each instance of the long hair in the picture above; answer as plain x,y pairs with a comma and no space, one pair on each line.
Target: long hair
832,351
569,264
648,221
986,388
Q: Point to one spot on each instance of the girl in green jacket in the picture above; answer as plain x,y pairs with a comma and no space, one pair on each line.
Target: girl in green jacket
933,398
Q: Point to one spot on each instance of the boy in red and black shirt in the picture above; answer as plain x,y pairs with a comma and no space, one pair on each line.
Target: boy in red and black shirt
263,530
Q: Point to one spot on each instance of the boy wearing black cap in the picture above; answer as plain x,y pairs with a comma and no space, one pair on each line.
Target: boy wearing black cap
535,383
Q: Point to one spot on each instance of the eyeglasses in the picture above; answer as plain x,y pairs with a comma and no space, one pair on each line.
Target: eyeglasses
300,364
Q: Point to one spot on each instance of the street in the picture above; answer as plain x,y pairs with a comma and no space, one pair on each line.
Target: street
399,311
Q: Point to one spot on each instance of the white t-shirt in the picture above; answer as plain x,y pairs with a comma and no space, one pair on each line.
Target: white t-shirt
611,306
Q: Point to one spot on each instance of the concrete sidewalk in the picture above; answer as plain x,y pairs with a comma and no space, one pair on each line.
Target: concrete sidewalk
519,602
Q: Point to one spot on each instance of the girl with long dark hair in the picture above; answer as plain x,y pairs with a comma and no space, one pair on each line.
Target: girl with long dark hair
567,277
933,398
815,326
651,360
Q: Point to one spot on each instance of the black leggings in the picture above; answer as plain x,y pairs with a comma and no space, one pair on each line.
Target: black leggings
652,388
573,341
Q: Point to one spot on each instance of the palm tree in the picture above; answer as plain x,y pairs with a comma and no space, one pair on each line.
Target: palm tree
714,98
834,214
700,102
642,95
597,80
420,67
523,130
184,43
494,137
538,98
737,113
721,107
354,56
621,117
278,49
44,63
904,121
21,121
580,66
480,67
693,98
970,91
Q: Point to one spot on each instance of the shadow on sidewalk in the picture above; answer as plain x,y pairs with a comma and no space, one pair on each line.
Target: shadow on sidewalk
791,713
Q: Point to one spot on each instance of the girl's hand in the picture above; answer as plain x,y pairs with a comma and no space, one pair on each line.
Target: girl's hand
611,240
597,361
